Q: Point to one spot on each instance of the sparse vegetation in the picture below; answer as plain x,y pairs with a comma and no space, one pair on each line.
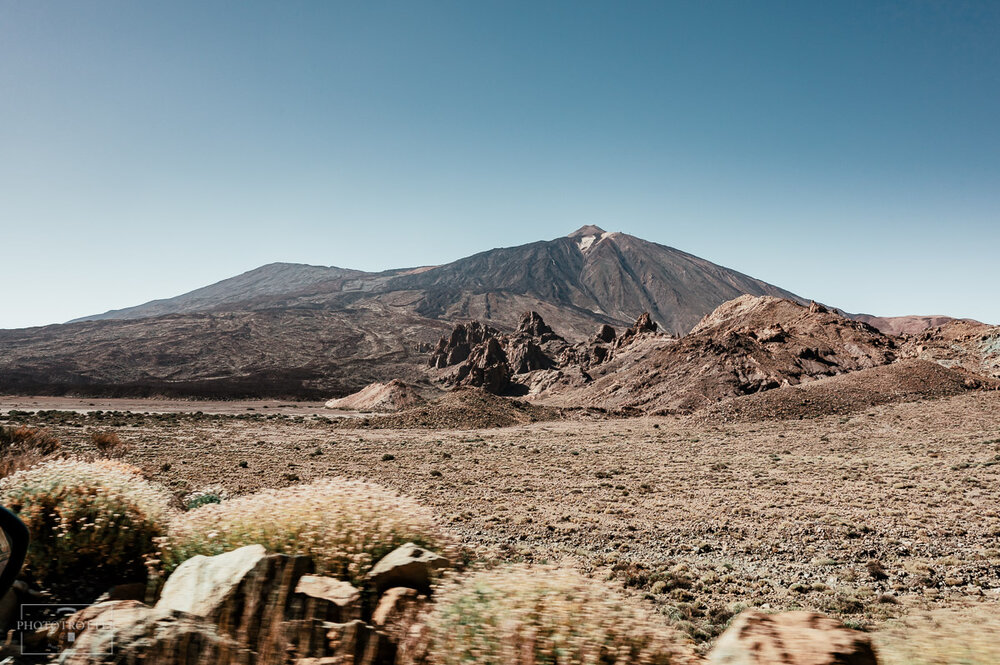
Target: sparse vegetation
345,525
23,447
528,615
92,524
109,444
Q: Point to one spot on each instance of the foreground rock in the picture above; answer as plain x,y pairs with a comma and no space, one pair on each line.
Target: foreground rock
791,638
126,631
408,566
244,606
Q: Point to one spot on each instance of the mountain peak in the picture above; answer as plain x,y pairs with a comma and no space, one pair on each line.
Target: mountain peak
588,230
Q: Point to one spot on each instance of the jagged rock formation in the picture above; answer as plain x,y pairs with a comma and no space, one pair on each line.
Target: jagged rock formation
500,363
745,346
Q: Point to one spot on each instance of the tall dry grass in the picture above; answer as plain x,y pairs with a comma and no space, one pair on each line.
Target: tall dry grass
521,615
23,447
344,525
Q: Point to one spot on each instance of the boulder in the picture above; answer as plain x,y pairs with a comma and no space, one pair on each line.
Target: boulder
328,599
406,566
202,585
526,356
605,334
791,638
126,631
249,595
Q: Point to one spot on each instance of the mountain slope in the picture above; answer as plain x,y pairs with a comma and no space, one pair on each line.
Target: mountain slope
289,329
580,281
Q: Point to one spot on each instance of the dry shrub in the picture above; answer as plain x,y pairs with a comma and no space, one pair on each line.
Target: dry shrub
521,615
108,444
344,525
943,638
23,447
92,524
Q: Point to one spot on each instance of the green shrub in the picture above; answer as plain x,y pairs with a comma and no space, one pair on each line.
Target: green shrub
24,447
523,615
204,497
344,525
92,524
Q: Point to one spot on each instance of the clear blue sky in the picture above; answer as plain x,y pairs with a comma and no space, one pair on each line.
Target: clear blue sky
847,151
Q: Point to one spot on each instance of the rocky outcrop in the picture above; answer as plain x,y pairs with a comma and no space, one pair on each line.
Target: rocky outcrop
746,346
249,607
457,347
487,367
504,362
126,631
791,638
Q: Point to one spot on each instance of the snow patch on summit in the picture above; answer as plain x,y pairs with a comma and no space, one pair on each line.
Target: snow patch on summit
586,242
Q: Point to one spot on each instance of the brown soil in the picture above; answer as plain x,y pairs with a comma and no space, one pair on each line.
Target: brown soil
698,518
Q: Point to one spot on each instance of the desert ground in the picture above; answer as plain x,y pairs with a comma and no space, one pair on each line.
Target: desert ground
872,517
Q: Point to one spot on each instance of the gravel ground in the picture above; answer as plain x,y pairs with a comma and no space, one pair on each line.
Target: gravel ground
869,517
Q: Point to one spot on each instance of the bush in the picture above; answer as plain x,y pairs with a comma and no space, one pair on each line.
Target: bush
943,638
523,615
344,525
204,497
92,524
24,447
108,444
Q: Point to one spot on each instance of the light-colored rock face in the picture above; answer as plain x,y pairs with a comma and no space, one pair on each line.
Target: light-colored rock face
379,397
791,638
329,589
202,584
408,565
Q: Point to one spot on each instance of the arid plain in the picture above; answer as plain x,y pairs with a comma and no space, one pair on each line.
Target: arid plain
872,517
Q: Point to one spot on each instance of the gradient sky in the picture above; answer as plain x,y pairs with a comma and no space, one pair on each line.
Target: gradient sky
846,151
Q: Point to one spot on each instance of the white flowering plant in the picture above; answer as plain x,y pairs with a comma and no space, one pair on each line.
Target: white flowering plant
542,615
344,525
92,524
